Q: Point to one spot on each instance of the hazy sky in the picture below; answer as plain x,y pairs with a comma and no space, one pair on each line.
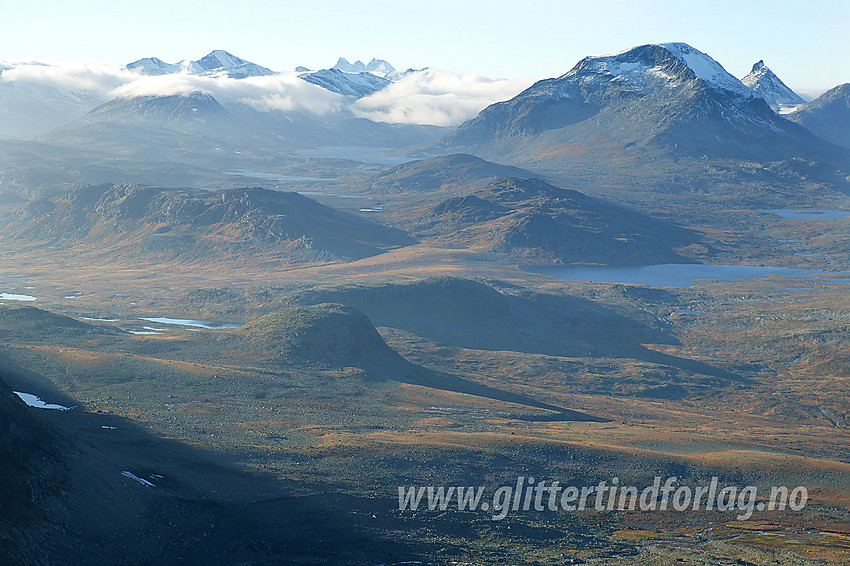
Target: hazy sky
804,43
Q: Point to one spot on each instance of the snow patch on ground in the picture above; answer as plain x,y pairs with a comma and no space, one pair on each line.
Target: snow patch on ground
37,402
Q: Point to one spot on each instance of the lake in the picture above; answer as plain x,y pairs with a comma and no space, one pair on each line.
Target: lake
354,153
808,213
675,274
195,323
273,176
14,297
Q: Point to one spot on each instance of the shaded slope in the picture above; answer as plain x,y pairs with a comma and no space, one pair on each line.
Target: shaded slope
468,314
334,336
828,116
473,315
31,463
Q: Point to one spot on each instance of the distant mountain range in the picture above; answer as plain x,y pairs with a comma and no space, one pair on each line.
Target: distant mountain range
33,107
348,79
217,63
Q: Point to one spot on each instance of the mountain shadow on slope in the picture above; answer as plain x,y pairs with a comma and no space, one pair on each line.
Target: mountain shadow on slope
336,336
469,314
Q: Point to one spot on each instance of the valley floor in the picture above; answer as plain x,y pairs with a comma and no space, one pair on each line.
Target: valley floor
749,385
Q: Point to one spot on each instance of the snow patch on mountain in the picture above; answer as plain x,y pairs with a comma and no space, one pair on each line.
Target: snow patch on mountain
707,68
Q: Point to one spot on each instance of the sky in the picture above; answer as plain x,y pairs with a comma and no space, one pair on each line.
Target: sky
804,43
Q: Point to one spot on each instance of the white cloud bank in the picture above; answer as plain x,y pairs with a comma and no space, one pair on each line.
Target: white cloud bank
435,97
35,97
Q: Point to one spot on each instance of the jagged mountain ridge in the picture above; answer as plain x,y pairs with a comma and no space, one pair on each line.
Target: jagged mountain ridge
378,67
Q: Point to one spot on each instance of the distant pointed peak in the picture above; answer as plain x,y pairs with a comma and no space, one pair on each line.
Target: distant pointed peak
765,84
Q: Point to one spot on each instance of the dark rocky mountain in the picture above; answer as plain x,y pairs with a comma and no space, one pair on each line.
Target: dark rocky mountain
828,116
770,88
537,221
670,98
443,173
131,220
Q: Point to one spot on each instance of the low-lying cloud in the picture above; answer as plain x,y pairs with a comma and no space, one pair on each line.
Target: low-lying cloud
421,97
435,97
284,91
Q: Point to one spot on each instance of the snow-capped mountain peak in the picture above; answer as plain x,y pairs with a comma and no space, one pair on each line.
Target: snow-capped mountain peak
216,63
643,68
219,62
219,59
380,67
153,66
765,84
